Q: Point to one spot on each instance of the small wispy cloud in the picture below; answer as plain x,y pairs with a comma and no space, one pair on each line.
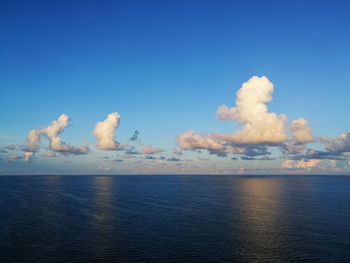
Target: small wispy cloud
49,154
150,150
135,136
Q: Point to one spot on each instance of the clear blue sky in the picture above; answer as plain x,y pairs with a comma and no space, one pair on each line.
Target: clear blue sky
165,66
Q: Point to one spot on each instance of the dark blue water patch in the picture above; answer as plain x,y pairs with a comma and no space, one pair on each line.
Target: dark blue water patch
174,219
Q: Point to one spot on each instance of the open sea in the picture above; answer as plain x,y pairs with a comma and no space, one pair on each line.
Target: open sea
174,219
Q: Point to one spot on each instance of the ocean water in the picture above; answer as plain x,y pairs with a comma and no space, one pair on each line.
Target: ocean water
174,219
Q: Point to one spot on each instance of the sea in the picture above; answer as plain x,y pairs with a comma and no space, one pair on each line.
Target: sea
174,218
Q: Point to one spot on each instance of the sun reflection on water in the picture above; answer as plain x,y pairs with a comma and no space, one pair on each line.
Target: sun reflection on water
261,215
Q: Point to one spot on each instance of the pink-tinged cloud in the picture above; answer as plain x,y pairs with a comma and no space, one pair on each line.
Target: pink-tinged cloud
190,140
150,150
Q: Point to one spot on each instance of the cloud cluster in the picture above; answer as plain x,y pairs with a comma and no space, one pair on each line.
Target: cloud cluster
335,148
302,135
259,127
301,164
259,131
339,144
105,133
52,133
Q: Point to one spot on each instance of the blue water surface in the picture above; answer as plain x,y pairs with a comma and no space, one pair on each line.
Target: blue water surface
174,219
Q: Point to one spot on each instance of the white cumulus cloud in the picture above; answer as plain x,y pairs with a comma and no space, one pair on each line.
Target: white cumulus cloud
259,127
105,132
301,131
52,132
302,134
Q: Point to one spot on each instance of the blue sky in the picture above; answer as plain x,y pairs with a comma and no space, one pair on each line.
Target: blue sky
165,67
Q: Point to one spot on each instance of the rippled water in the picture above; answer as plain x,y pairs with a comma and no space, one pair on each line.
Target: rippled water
174,219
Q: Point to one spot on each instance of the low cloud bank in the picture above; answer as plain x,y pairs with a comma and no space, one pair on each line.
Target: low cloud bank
301,164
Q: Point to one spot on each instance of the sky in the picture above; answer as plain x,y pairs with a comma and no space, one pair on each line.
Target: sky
174,87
